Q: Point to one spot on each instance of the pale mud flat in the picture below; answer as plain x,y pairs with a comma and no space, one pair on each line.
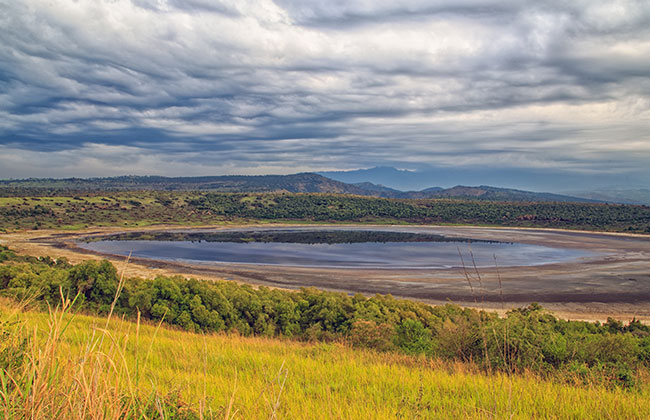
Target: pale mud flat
614,282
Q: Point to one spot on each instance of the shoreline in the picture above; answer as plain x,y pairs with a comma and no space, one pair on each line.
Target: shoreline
616,283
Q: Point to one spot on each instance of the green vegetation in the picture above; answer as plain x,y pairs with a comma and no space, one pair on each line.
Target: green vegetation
84,367
195,208
528,339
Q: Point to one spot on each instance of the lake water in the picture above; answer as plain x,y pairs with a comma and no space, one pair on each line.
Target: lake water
343,248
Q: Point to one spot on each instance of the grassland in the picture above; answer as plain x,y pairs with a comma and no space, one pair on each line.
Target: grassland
229,376
29,210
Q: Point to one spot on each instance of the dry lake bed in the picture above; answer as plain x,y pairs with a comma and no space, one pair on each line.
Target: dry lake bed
578,275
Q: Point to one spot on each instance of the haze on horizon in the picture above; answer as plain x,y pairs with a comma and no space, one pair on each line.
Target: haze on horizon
538,95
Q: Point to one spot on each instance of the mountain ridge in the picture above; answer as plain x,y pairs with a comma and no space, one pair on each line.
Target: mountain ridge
294,183
482,192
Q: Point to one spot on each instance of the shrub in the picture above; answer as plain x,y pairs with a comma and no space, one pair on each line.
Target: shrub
413,338
369,334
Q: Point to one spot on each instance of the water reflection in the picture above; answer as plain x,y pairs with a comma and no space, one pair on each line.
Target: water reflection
352,248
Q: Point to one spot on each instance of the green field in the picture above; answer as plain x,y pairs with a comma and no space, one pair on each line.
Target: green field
262,378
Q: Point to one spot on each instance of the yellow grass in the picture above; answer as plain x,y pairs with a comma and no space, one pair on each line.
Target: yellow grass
101,373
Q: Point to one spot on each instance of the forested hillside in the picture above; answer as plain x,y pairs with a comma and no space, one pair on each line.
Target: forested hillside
152,207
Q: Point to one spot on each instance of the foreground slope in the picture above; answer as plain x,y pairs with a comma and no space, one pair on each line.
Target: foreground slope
227,376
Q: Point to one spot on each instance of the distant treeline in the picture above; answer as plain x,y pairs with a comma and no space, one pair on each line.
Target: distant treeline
152,207
527,339
349,208
302,182
295,236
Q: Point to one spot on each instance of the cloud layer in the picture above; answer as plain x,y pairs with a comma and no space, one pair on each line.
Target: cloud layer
102,87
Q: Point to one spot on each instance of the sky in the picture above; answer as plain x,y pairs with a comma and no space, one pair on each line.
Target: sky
209,87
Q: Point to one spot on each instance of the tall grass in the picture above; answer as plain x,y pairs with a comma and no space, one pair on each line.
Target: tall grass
56,366
95,375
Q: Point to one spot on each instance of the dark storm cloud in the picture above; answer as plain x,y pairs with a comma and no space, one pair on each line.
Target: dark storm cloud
189,87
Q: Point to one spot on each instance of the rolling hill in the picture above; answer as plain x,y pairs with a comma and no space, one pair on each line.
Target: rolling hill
296,183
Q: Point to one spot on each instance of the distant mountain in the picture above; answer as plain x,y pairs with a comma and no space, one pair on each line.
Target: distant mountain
525,179
471,193
379,190
624,196
385,181
381,175
432,189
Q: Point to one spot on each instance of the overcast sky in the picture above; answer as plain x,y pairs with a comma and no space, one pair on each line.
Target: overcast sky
208,87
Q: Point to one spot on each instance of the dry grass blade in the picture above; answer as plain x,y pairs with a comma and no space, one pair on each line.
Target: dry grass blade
469,281
228,416
276,405
478,275
496,266
118,292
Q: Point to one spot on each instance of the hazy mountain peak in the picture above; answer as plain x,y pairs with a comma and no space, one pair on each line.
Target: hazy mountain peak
388,176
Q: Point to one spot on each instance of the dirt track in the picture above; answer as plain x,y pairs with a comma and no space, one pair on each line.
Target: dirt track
614,283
